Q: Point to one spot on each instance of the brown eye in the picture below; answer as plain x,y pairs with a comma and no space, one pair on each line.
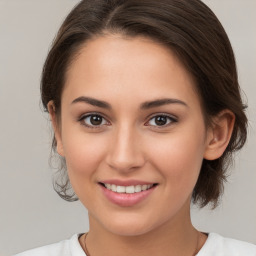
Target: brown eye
93,120
161,120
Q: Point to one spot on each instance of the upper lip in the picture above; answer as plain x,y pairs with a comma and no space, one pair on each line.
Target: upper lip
126,182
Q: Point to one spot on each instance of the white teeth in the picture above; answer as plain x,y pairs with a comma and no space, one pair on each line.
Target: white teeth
138,188
127,189
144,187
113,187
120,189
108,186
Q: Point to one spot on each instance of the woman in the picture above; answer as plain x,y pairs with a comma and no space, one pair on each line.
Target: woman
146,110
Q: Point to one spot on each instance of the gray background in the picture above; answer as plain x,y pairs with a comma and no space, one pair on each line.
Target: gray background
31,213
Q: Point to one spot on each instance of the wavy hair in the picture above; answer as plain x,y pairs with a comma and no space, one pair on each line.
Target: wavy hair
187,27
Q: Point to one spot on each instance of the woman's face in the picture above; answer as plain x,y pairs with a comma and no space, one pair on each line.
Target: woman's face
130,116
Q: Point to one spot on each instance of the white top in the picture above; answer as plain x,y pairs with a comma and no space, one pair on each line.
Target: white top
215,245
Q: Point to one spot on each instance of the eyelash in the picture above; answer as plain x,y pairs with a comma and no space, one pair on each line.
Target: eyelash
82,120
171,118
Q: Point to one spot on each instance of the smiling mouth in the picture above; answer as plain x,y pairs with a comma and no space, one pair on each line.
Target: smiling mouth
127,189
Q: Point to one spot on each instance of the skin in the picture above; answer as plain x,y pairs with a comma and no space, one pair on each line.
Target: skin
129,144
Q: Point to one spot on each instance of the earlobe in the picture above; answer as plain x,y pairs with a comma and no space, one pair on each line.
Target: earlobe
219,134
56,127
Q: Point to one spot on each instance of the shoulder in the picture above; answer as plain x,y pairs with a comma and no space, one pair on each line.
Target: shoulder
222,246
63,248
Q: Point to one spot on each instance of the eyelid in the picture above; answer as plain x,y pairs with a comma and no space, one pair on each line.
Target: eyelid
173,118
82,117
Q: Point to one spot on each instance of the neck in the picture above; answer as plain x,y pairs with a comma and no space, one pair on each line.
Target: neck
177,237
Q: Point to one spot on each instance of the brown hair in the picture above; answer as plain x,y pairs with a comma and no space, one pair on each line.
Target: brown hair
187,27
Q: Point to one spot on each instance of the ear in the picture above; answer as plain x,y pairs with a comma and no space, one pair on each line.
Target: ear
56,127
219,134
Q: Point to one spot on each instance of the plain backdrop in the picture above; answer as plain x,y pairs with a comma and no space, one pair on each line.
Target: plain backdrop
31,213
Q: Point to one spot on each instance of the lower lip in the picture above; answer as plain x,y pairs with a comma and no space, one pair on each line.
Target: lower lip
125,199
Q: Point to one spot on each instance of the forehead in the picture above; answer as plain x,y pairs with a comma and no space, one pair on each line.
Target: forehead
112,65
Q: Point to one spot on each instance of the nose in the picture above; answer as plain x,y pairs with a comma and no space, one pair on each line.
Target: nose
125,152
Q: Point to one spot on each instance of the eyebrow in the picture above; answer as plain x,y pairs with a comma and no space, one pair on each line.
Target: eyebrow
161,102
143,106
93,102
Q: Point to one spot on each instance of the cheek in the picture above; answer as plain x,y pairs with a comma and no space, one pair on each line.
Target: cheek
179,158
83,154
83,157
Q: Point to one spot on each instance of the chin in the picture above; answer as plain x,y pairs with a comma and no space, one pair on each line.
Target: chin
131,226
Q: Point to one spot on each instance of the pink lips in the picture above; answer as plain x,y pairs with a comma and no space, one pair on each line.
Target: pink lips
125,182
124,199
